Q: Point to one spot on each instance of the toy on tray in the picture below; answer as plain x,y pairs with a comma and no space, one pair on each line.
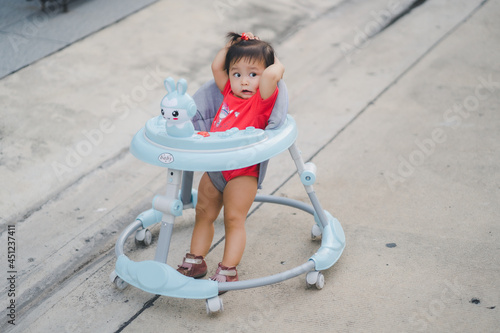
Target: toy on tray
171,141
178,108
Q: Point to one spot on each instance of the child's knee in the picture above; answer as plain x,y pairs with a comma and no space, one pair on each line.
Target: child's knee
234,219
208,212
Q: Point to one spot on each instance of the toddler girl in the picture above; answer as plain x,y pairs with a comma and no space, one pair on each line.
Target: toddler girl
246,71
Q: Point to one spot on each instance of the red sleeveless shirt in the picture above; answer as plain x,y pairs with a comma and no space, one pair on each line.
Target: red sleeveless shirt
242,113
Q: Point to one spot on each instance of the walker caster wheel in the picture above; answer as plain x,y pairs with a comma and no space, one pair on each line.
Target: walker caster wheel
120,284
117,281
315,232
214,305
316,279
143,237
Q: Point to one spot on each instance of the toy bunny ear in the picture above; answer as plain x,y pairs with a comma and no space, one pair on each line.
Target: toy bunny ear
181,86
169,84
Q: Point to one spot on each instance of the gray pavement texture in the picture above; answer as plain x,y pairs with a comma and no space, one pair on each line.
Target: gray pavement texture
28,33
396,102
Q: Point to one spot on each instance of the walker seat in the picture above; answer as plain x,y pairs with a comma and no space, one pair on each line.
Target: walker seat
171,141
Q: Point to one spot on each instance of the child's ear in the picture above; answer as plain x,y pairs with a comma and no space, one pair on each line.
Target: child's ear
169,84
181,86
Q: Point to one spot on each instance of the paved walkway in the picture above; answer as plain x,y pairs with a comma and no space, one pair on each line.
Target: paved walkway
401,120
28,34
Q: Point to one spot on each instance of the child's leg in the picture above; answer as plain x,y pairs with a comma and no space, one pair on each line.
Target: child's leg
238,197
207,209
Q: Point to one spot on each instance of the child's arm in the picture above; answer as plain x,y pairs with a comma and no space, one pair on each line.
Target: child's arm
270,78
218,71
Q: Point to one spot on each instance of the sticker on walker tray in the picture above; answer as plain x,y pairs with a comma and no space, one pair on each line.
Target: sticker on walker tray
166,158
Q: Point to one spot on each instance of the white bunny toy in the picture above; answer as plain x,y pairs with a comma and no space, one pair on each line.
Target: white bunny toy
177,107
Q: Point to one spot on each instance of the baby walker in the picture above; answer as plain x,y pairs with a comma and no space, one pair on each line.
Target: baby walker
171,141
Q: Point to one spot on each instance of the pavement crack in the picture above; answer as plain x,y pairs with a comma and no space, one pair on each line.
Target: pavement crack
146,305
402,74
413,5
295,26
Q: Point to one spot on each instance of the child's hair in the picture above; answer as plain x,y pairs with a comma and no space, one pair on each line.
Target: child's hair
249,49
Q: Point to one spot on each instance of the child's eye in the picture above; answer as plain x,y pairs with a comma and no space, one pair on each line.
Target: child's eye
253,74
236,74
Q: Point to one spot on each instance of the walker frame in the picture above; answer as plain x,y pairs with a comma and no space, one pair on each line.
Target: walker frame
215,152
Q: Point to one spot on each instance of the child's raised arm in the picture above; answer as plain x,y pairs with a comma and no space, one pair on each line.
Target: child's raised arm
218,71
270,78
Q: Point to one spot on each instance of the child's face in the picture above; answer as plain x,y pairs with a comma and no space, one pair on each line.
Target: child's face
244,77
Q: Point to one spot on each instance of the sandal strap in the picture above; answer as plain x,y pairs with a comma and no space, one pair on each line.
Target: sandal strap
227,272
193,261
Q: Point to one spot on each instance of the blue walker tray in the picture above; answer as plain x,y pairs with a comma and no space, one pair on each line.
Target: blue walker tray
210,151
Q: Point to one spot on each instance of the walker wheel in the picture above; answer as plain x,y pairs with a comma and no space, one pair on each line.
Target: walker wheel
315,232
143,237
117,281
316,279
120,284
214,305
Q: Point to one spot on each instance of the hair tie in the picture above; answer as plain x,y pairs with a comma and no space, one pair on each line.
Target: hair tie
244,36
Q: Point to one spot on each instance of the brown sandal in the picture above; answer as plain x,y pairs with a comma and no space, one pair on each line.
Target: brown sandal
225,274
193,266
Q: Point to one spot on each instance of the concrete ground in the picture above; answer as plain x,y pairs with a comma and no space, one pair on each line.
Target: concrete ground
396,102
28,33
